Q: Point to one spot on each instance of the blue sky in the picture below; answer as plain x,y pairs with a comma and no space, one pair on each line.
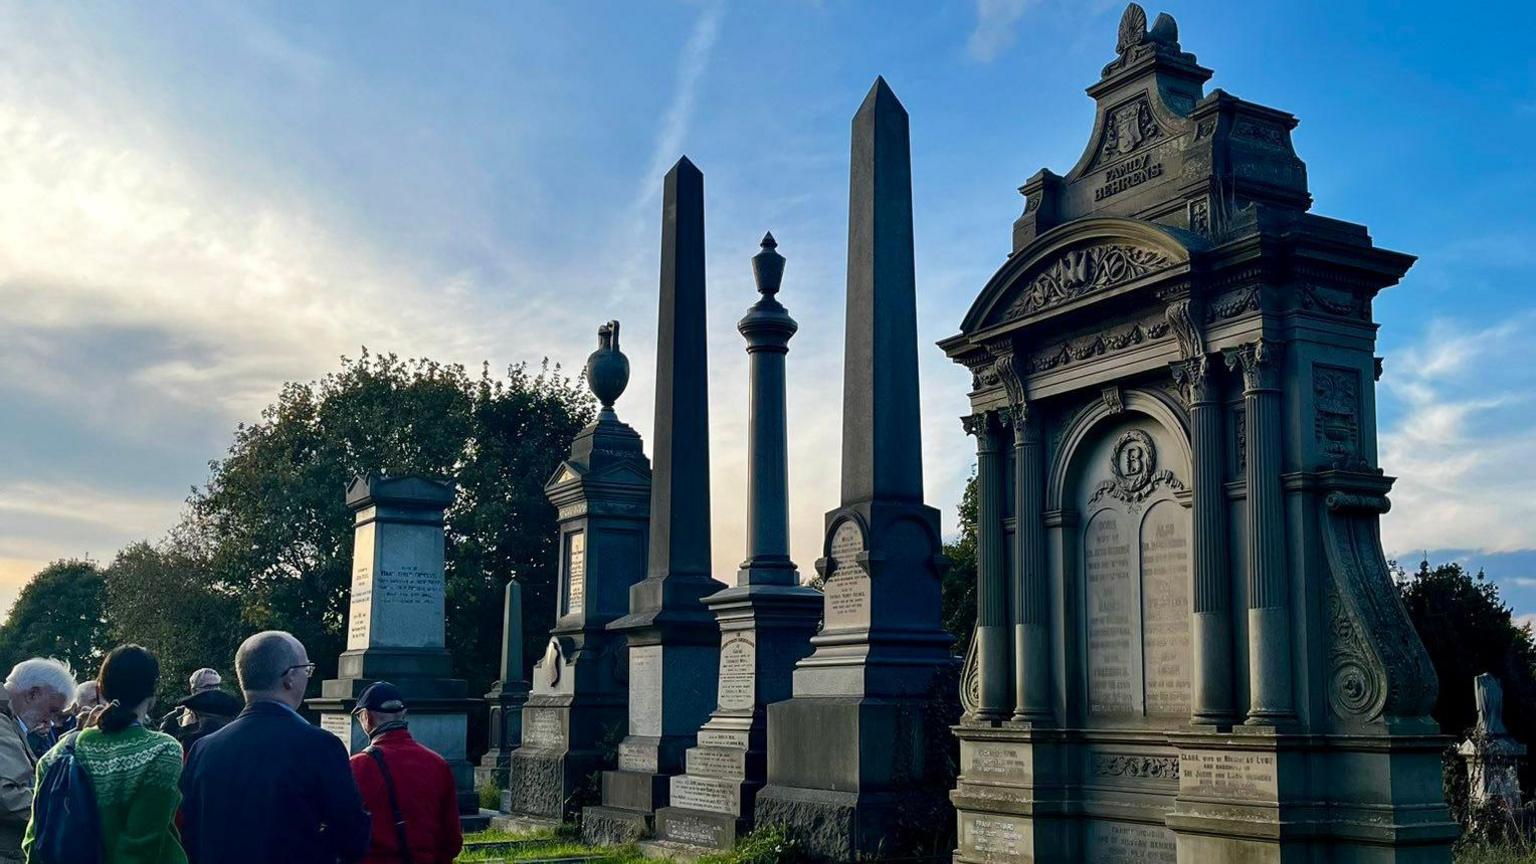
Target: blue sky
199,202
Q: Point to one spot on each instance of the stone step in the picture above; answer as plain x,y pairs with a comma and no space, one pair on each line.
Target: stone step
710,794
726,762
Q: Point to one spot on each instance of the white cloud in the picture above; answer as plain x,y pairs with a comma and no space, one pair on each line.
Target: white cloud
1462,439
996,27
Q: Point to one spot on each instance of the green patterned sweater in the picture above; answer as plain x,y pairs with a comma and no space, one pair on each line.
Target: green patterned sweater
136,775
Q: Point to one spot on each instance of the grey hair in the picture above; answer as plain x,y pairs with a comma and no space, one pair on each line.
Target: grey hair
49,673
263,658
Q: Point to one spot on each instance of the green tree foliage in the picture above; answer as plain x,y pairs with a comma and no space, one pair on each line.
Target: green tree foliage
278,534
958,591
1469,630
165,598
59,614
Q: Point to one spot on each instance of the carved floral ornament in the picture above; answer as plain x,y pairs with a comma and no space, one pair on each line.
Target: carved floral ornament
1079,272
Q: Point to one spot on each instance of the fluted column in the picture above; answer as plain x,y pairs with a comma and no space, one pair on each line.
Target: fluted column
767,328
991,568
1269,630
1211,622
1032,597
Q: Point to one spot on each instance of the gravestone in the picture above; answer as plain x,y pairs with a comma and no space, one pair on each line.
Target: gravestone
856,762
575,714
1492,756
673,640
507,695
1188,646
395,625
766,619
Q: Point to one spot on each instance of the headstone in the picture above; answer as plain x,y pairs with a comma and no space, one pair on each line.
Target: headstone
1180,583
579,696
673,639
855,766
395,625
766,619
1492,756
507,695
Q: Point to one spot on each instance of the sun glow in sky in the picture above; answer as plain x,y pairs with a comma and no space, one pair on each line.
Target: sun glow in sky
199,202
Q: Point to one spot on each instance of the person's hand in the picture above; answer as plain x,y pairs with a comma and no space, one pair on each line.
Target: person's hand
92,717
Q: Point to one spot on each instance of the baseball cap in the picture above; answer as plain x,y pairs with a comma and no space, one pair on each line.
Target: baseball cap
380,696
205,679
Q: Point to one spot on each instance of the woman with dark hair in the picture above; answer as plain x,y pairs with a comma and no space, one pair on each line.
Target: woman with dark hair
134,772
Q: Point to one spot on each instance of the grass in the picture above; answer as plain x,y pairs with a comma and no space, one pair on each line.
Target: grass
1480,854
764,847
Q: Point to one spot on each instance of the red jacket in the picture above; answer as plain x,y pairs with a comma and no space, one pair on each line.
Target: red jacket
428,801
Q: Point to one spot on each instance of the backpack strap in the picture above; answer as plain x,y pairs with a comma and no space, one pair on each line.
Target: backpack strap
394,803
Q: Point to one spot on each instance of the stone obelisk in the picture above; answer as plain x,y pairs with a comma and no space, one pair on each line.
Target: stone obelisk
507,695
579,695
673,639
766,619
851,762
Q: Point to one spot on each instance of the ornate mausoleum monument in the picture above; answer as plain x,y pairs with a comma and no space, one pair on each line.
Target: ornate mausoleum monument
1188,646
572,722
674,643
853,766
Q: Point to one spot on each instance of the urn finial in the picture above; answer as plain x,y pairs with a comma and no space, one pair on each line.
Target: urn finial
768,267
607,367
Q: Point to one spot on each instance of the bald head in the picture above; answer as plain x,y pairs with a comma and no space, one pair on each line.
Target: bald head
271,665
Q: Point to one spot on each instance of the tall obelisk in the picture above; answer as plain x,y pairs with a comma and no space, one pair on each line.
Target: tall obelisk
851,763
674,642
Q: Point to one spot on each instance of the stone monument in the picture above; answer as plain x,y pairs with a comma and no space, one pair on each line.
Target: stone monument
673,639
1492,755
575,715
507,695
855,758
766,619
395,624
1188,645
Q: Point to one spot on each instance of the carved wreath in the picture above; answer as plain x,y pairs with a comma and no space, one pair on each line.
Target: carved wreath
1083,271
1136,478
1143,767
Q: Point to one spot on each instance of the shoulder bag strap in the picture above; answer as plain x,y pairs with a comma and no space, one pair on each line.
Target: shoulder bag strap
394,804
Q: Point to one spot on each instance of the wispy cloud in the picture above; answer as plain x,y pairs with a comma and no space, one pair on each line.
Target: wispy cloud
997,27
1459,440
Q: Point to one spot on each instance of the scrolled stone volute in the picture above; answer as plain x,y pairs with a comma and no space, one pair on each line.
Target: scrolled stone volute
607,367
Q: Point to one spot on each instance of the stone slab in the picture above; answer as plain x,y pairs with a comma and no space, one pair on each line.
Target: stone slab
699,829
612,826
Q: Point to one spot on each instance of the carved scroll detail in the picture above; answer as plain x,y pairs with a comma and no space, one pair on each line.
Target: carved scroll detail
1378,668
1084,271
970,679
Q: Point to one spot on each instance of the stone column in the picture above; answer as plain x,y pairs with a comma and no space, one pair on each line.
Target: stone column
1211,621
766,619
1032,594
991,568
1269,627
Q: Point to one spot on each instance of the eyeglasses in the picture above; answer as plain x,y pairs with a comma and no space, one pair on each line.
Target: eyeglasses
309,668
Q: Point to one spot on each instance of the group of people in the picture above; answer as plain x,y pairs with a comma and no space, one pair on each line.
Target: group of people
223,780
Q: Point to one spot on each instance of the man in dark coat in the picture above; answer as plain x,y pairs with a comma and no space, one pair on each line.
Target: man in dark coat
202,714
270,786
423,785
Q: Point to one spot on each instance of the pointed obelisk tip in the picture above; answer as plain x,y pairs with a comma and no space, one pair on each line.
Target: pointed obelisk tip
881,98
685,166
769,242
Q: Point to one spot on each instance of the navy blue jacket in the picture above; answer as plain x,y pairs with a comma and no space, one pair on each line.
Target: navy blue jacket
269,787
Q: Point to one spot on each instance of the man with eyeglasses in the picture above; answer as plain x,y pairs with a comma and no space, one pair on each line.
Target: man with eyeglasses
270,786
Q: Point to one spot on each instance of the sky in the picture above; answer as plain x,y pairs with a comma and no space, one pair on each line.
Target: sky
199,202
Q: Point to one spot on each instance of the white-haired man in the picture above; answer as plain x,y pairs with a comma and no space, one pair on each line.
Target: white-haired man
36,693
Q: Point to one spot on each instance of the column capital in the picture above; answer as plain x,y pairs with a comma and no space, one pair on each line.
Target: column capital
1259,361
1196,379
986,426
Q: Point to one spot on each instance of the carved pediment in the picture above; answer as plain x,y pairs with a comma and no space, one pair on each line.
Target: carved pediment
1080,272
1127,129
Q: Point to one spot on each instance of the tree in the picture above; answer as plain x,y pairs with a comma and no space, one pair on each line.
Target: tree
163,598
278,534
958,590
59,614
1468,630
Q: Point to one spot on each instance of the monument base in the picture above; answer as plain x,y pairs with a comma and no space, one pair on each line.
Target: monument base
858,779
567,742
610,826
702,830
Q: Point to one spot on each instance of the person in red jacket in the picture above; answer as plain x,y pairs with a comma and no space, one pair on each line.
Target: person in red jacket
408,788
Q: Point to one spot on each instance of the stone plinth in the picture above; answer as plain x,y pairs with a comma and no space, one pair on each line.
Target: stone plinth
395,625
576,712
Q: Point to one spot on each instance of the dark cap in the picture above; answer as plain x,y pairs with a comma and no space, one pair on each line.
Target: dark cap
380,696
